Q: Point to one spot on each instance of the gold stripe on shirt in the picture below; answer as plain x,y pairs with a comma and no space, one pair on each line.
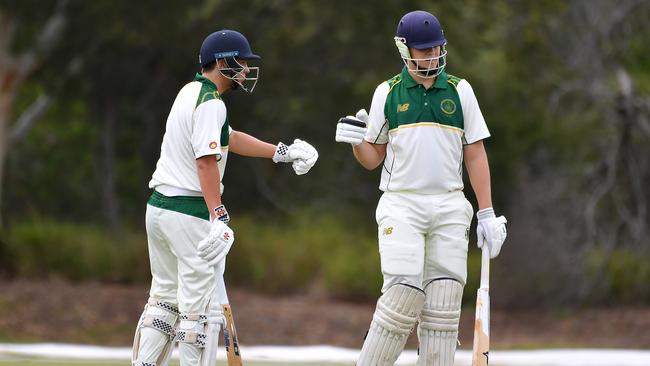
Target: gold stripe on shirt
427,124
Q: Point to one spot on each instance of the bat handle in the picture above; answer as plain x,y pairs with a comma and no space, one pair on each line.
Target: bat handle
485,267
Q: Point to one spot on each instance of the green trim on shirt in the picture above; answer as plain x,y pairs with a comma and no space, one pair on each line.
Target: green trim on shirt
188,205
225,134
209,92
410,103
453,80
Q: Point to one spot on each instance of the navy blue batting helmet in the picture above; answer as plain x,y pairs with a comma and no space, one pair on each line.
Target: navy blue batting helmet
421,30
225,44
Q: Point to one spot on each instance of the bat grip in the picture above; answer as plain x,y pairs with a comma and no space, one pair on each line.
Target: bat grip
485,267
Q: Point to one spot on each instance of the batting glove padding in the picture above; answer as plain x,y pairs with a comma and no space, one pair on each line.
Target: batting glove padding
306,156
302,155
216,245
491,230
352,129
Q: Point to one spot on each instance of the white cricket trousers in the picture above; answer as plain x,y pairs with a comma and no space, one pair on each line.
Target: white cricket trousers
179,275
423,237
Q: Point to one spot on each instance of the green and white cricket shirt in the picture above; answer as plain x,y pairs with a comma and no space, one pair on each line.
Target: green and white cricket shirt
197,126
425,130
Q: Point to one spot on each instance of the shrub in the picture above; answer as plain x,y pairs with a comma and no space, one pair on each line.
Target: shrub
41,247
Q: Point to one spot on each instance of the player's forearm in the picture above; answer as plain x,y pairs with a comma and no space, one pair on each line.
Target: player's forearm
478,169
244,144
369,155
210,180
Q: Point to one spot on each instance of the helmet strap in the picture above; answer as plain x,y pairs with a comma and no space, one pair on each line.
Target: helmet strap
403,49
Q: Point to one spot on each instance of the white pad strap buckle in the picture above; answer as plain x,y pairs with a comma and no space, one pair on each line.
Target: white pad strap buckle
192,336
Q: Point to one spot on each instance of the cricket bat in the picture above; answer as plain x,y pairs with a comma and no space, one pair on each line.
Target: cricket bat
230,336
481,349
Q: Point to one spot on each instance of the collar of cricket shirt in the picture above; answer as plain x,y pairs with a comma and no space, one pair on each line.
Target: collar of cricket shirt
203,79
409,82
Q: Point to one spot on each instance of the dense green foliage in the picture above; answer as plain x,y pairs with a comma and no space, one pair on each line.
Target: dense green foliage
270,255
569,150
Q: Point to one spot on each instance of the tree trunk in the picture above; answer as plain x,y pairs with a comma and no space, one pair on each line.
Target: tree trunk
6,101
110,199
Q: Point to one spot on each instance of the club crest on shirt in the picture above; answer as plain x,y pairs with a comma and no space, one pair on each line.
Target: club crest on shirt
448,106
213,145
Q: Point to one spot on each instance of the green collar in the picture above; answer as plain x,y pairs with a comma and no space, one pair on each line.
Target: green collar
409,82
204,80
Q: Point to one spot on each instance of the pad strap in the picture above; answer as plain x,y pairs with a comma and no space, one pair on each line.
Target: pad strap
192,336
158,324
163,305
155,321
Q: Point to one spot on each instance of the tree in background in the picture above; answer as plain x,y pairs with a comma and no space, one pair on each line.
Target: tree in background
564,87
580,197
16,67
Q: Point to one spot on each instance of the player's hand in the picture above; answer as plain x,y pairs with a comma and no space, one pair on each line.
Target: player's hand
352,129
302,155
217,244
491,230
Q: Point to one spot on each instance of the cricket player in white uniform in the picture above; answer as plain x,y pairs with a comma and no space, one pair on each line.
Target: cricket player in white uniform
423,124
186,222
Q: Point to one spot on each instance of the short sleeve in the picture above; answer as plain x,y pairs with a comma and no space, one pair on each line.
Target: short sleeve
209,119
475,126
377,124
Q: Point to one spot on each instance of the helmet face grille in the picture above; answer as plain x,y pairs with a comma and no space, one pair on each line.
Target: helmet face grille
243,76
434,65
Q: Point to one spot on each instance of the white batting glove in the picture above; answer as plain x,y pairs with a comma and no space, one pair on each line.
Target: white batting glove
217,244
491,230
302,155
352,129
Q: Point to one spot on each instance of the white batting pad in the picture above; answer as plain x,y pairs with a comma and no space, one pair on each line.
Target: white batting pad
438,328
198,337
153,345
397,312
216,320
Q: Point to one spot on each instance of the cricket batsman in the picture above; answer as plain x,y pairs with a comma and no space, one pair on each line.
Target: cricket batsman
423,124
186,221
